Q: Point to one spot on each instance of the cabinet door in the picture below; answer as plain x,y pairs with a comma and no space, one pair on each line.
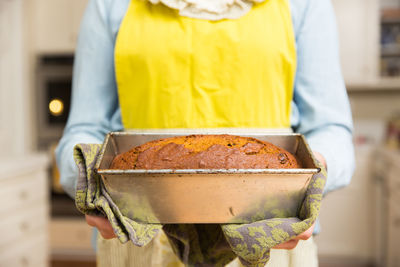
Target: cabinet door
343,237
57,24
358,25
393,228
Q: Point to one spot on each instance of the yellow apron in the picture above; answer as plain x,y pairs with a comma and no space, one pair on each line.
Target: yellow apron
179,72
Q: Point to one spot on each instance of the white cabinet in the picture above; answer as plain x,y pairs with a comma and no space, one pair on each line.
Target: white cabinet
358,25
24,204
13,110
56,24
388,170
347,218
361,223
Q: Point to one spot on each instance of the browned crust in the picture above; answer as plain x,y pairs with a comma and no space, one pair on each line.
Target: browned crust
206,152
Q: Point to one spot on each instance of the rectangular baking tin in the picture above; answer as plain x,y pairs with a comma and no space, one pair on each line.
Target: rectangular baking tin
206,195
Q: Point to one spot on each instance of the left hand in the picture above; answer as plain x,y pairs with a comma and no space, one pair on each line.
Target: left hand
291,244
102,224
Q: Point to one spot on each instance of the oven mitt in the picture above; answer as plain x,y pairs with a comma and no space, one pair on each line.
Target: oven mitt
196,244
91,198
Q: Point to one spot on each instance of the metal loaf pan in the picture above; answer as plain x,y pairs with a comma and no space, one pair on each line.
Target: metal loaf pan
206,195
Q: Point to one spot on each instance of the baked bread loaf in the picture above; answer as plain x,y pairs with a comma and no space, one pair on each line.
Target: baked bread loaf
206,152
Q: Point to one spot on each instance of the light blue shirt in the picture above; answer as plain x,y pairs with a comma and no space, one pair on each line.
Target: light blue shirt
320,106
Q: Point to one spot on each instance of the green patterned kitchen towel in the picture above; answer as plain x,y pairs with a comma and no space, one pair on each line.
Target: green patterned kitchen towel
196,244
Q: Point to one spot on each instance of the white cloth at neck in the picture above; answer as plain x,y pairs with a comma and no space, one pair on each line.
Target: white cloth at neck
210,9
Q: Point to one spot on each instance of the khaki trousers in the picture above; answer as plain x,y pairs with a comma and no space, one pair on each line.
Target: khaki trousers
158,253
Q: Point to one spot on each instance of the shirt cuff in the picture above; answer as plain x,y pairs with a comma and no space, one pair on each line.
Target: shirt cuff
66,163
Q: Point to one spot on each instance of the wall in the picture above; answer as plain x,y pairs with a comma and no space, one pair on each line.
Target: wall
378,105
390,3
14,125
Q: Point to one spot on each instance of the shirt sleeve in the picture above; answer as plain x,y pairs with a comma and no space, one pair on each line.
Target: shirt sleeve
94,106
321,109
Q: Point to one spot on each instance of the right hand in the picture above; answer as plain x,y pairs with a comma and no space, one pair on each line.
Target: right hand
102,224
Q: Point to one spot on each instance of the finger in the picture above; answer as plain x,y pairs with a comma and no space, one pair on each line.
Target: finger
98,222
291,244
102,224
307,234
90,220
107,234
106,229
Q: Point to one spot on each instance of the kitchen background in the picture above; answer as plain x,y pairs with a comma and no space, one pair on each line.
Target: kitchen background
39,225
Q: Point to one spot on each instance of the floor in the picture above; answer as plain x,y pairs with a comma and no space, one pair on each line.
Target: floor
65,263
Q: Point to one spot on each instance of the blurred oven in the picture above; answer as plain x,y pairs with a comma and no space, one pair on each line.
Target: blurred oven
53,99
54,81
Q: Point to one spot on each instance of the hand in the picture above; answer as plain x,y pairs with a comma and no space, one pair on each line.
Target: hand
106,231
291,244
320,158
102,224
